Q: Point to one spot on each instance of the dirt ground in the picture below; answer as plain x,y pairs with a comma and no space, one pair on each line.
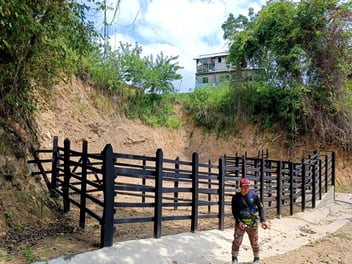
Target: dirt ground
79,113
334,248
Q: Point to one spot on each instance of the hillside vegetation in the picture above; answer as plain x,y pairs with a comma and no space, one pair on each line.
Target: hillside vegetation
75,114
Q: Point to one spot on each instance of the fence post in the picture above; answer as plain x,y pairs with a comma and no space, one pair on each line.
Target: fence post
303,193
279,193
83,202
268,166
244,167
176,182
326,174
237,172
107,223
158,193
195,191
320,179
256,174
333,171
290,168
67,176
144,181
221,193
261,177
54,167
209,185
333,167
314,182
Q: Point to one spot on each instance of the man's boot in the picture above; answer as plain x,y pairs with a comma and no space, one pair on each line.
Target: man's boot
256,260
234,260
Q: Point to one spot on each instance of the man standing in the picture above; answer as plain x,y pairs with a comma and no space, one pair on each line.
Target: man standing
247,210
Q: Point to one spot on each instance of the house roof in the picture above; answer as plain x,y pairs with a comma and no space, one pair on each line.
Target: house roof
211,55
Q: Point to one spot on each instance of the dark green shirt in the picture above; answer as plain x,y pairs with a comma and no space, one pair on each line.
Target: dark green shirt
247,214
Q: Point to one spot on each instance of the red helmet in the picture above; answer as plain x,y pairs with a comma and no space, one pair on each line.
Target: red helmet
245,182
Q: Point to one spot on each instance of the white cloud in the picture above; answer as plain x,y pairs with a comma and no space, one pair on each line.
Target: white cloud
184,28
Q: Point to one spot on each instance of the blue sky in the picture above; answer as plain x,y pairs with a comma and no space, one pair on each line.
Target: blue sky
184,28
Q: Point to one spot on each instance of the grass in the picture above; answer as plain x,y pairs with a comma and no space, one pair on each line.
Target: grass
29,255
343,188
312,243
342,235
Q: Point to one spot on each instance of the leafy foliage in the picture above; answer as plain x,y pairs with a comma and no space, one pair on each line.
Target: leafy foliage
279,106
43,41
153,109
38,40
228,108
161,73
127,66
305,49
213,108
305,43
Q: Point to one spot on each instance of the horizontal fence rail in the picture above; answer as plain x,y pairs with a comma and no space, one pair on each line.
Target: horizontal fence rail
117,189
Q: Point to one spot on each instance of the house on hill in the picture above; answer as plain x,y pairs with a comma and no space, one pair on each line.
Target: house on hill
212,70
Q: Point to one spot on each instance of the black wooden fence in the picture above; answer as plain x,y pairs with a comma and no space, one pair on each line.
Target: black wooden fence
104,184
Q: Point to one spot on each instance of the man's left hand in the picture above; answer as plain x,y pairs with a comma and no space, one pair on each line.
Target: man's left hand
265,225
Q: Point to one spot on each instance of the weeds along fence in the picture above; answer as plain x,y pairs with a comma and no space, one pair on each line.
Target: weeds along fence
117,189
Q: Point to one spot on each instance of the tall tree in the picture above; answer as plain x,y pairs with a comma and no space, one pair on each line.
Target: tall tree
153,76
160,73
326,33
305,43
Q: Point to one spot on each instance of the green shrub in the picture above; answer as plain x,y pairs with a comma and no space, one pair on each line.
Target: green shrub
153,109
224,109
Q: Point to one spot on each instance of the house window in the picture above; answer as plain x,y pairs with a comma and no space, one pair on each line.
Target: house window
222,59
224,78
205,80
